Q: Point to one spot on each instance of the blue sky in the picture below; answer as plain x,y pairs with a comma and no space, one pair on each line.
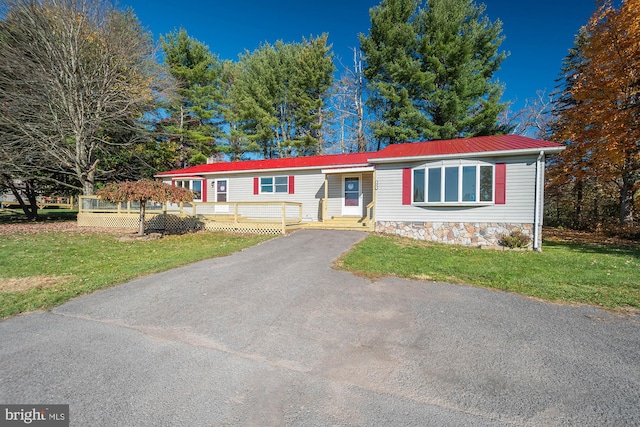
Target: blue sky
538,33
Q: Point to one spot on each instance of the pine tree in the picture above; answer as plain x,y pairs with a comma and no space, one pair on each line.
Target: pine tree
432,70
572,169
237,140
312,77
389,65
281,93
189,126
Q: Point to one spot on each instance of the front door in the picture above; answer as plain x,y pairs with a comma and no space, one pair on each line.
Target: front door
221,196
352,196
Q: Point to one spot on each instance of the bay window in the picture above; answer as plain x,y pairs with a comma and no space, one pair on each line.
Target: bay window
462,184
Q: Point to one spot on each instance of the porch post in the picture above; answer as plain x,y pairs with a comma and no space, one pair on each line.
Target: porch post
284,218
325,201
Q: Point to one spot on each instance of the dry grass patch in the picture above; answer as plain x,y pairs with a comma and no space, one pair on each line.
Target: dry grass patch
22,284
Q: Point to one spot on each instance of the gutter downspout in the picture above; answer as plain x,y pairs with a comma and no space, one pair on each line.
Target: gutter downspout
537,238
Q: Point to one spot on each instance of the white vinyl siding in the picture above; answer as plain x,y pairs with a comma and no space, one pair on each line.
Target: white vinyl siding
336,193
520,191
308,190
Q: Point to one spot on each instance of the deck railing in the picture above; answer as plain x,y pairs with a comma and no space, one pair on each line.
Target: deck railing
264,217
43,202
370,211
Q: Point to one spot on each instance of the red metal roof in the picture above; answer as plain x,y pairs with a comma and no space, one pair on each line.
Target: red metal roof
331,160
478,144
449,147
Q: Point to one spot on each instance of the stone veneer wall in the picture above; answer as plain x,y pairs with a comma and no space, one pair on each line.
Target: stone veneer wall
459,233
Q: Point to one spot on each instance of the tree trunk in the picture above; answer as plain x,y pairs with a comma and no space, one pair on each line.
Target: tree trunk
143,207
596,204
88,178
626,199
87,188
30,210
577,220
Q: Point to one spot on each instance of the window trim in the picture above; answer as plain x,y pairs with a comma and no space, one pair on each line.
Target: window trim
190,187
274,185
443,166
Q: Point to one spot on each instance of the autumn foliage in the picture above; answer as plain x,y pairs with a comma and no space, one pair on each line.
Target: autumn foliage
600,109
143,191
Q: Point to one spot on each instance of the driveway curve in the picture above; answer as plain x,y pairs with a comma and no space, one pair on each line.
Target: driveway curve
273,335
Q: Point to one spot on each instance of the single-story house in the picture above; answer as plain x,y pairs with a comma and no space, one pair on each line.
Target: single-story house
469,191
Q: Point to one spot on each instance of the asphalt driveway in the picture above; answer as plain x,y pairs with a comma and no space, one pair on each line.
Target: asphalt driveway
274,336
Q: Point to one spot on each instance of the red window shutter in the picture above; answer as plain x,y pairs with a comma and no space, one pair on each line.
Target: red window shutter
204,190
406,186
291,184
501,184
256,185
173,182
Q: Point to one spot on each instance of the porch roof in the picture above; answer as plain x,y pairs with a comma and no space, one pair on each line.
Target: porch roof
349,169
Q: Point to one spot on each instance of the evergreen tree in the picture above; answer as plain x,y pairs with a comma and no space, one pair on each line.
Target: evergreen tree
572,170
281,92
312,78
189,126
431,70
237,139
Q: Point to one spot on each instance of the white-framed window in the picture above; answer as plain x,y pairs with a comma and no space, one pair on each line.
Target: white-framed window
454,184
274,184
194,185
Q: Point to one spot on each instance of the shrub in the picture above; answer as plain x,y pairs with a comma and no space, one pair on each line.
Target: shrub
516,239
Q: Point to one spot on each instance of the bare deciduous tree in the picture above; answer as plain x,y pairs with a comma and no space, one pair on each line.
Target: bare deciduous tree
534,118
348,104
76,76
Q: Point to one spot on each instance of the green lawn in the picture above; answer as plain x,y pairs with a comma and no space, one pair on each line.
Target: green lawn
58,266
53,267
591,274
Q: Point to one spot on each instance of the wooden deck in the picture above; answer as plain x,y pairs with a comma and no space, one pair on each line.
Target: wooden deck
41,203
239,217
